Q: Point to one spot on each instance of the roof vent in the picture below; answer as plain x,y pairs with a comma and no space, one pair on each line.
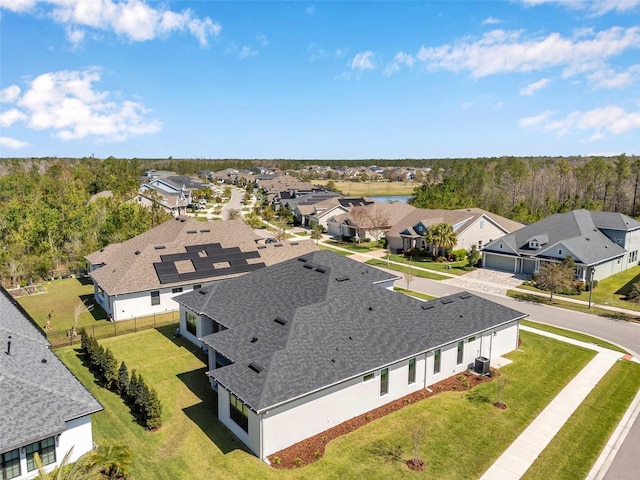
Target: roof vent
321,269
205,231
464,295
308,265
192,231
159,247
260,247
182,220
9,345
44,360
280,320
294,243
302,259
428,306
202,292
343,278
371,309
137,252
256,367
444,301
254,339
277,245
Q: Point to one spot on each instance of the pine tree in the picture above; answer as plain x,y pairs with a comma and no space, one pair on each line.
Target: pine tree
110,369
153,410
131,391
93,351
85,340
123,380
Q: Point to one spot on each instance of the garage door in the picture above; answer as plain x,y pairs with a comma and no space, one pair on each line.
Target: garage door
499,262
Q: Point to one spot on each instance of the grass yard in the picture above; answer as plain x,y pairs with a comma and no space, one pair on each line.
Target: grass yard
373,189
463,432
335,250
454,268
411,293
402,269
577,445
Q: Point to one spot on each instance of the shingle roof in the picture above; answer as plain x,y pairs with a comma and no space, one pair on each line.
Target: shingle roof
578,231
333,324
37,392
138,264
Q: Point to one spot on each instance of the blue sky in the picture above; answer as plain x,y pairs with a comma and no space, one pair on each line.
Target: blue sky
319,80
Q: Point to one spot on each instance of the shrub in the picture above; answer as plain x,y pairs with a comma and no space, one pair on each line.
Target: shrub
276,460
459,254
591,285
297,461
441,259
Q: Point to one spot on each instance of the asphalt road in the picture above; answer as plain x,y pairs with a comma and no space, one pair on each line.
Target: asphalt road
626,464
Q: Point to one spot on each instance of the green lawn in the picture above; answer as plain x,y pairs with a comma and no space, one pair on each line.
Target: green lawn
463,432
411,293
611,291
454,268
402,269
577,445
363,247
335,250
374,189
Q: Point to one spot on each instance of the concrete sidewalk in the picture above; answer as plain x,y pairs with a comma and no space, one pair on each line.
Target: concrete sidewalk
517,459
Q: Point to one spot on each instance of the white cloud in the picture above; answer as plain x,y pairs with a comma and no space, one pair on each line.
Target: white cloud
535,86
133,19
502,51
491,21
610,79
12,143
535,120
600,122
75,36
10,117
9,94
594,8
66,103
247,52
262,39
400,59
363,61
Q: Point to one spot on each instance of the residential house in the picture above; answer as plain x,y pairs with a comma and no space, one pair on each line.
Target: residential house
140,276
310,213
44,409
472,226
600,243
376,219
302,346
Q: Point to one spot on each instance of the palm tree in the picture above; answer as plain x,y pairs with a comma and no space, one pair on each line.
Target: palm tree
108,462
441,235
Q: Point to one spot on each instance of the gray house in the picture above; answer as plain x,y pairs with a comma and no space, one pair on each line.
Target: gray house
302,346
44,409
601,244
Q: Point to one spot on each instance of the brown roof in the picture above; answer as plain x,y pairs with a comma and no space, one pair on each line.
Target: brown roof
394,211
129,266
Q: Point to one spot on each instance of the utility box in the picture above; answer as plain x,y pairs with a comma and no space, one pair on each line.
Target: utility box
481,365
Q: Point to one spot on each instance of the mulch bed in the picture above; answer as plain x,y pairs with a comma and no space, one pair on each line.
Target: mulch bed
312,449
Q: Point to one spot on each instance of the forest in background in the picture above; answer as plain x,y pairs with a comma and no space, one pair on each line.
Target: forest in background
48,225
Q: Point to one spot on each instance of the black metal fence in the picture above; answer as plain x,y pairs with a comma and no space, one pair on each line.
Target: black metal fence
112,329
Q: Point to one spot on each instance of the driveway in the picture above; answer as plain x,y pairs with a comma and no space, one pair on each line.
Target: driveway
488,281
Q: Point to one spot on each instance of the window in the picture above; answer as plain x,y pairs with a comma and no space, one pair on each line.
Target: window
155,297
460,351
368,376
559,251
472,339
436,361
176,290
191,322
239,412
384,381
197,287
500,246
45,448
10,464
481,223
412,371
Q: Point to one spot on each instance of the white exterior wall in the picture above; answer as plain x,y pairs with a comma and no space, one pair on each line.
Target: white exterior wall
78,435
474,233
131,305
252,438
315,413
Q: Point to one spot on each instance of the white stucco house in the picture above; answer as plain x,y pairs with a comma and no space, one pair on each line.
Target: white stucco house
140,277
317,340
44,409
600,243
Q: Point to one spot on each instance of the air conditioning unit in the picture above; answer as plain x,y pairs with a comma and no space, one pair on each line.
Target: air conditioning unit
481,366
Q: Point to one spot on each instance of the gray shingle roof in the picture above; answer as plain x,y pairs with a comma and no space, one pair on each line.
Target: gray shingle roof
37,392
337,325
577,231
131,266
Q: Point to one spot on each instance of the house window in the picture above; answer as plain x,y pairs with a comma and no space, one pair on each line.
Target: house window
481,223
559,251
46,449
176,290
460,351
155,297
384,381
472,339
239,412
368,376
436,361
412,371
500,246
10,464
197,287
191,322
